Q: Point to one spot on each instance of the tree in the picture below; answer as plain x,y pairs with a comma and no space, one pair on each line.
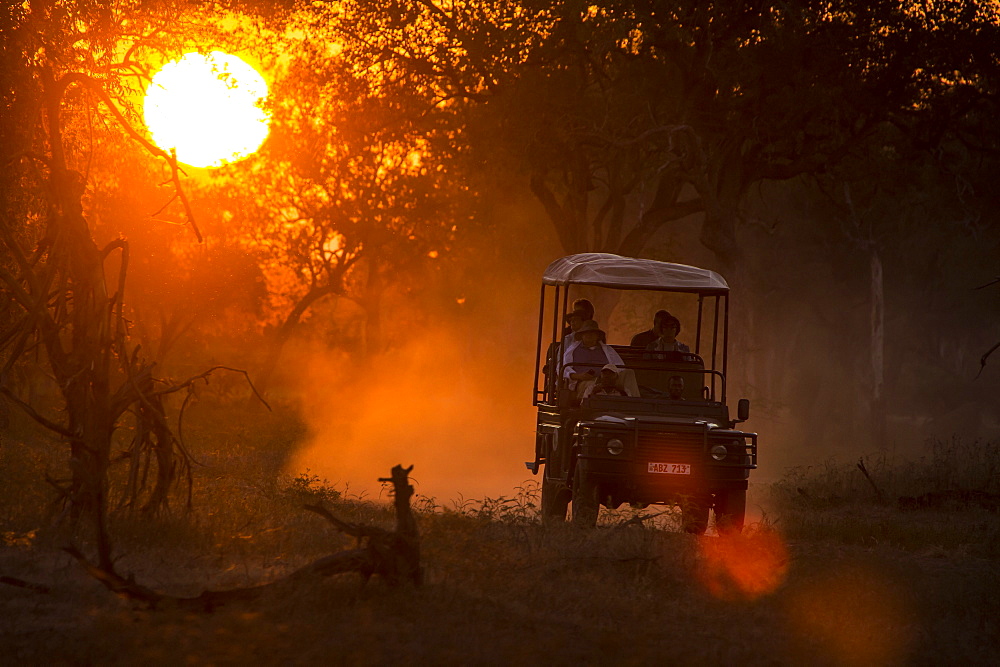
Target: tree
358,188
71,71
633,114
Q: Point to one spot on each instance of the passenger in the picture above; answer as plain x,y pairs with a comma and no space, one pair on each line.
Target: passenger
667,341
650,335
584,308
574,320
589,349
606,384
675,388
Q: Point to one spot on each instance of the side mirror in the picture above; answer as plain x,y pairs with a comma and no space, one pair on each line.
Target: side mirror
743,410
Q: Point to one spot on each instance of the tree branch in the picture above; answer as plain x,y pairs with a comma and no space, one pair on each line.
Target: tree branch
30,411
202,376
171,158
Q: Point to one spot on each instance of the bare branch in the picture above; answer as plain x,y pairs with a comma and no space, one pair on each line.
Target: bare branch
202,376
31,412
357,530
171,158
982,361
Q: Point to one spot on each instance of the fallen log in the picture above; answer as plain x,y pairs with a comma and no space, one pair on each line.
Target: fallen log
393,555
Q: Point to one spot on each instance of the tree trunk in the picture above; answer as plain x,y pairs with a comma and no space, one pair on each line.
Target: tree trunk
877,347
285,331
374,291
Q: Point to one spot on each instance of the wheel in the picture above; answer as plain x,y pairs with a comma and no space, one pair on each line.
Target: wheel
694,514
730,511
585,503
555,500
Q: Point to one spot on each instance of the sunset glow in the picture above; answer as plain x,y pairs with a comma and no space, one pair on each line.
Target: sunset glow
208,108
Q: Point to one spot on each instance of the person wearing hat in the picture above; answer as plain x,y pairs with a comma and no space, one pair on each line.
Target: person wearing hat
588,353
648,336
667,340
606,384
574,320
583,310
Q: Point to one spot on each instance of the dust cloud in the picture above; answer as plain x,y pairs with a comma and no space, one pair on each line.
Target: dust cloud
457,409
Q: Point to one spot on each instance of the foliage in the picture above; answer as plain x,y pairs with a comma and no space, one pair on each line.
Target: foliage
312,488
358,191
648,113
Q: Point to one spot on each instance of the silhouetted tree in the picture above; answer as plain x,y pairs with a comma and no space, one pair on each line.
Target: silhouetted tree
70,70
357,190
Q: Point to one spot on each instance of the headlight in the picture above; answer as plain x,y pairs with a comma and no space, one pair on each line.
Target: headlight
615,446
719,452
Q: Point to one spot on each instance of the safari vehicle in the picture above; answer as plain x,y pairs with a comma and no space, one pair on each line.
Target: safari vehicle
643,448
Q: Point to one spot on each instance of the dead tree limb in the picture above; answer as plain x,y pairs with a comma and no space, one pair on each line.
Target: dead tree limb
21,583
356,530
982,360
864,471
204,376
393,555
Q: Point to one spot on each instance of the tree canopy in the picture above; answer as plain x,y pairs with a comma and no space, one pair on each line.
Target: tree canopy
623,121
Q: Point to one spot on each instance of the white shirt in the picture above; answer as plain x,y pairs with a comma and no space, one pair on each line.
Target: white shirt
612,356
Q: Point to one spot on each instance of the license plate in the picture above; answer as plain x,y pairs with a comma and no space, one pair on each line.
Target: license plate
670,468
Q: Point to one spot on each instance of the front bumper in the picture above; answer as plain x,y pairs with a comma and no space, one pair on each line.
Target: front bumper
687,467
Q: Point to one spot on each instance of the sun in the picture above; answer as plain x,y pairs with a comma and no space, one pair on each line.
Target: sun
207,107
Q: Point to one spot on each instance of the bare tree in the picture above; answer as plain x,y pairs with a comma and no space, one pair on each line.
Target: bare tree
71,80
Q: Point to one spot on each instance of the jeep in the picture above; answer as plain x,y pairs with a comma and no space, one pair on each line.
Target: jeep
641,444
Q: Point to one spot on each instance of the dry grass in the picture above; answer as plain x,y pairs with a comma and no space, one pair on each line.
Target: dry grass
835,502
830,577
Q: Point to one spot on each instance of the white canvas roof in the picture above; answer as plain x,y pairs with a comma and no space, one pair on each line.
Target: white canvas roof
617,272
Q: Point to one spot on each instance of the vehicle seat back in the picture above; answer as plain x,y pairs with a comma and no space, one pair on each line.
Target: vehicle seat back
654,369
627,382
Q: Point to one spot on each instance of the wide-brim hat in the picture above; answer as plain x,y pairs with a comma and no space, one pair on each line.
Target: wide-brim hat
589,325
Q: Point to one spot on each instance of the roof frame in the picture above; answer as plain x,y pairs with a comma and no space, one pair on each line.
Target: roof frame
632,273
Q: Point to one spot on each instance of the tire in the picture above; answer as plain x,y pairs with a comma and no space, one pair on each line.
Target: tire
585,504
694,515
730,511
555,500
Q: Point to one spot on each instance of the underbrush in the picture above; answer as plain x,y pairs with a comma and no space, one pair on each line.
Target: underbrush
947,500
499,588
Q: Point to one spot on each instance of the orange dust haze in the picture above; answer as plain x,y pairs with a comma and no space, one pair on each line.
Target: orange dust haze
458,410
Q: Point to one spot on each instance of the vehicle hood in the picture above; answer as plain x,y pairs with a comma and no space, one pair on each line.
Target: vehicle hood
640,420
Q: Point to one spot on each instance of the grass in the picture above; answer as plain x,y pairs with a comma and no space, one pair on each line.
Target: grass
836,502
829,576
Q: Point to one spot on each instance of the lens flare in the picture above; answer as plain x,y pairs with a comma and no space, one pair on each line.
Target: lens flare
208,108
742,567
858,615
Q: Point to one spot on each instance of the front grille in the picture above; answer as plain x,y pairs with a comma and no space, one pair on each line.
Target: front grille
670,447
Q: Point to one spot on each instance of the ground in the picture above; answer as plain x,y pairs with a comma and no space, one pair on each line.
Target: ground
819,578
